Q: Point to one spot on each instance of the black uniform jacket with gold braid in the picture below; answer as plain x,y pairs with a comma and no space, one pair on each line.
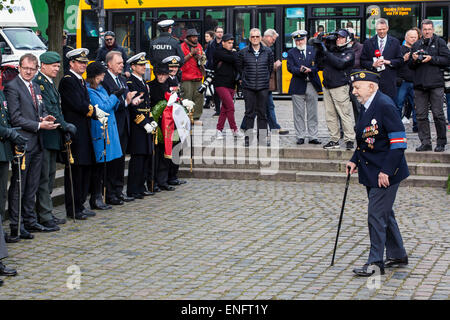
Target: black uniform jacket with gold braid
381,140
77,109
6,154
53,139
140,141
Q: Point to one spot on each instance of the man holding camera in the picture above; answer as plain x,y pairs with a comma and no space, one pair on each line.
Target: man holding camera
429,55
336,59
191,71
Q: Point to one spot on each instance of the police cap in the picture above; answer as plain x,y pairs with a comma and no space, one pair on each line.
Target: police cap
172,61
137,59
50,57
299,34
166,23
79,54
365,75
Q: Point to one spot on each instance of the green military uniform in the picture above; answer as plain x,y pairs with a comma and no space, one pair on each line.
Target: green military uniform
53,144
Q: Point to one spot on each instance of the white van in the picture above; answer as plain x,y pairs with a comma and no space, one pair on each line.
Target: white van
16,35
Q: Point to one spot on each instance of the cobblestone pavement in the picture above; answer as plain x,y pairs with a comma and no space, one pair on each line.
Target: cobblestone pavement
226,239
284,113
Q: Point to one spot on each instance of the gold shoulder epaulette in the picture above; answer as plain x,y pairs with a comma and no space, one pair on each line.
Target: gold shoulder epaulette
67,76
129,81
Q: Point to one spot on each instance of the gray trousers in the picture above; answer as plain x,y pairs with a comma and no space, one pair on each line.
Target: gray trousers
424,99
4,167
306,103
44,204
383,228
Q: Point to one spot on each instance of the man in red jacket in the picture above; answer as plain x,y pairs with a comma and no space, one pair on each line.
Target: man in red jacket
192,68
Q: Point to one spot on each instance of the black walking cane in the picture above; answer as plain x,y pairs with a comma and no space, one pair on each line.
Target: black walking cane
20,155
69,163
342,213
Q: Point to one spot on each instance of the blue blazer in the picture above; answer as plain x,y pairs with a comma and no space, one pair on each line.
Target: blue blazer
298,81
381,143
109,104
391,52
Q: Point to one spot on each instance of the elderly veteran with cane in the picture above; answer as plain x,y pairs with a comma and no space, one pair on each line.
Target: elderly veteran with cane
381,165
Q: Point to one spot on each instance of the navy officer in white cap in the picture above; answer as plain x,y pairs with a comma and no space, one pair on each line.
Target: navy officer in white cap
165,44
77,109
380,162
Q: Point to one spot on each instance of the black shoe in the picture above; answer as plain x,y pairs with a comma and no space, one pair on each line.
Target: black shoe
99,204
114,201
246,141
396,263
364,272
38,228
59,221
314,141
156,189
283,132
125,198
88,213
167,188
1,282
78,216
51,225
4,271
439,148
349,145
300,141
147,193
136,195
11,239
174,182
24,234
332,145
424,147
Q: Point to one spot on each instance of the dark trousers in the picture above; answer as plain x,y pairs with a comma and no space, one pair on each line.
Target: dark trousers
255,106
4,167
137,173
162,166
152,169
355,104
271,116
383,228
405,93
424,100
115,177
97,183
217,102
81,177
119,176
44,203
30,183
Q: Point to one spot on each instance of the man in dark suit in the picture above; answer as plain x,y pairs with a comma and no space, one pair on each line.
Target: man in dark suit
380,162
391,58
304,86
77,109
53,139
142,127
27,111
113,82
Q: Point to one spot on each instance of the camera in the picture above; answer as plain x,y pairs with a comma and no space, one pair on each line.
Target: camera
329,39
420,53
207,84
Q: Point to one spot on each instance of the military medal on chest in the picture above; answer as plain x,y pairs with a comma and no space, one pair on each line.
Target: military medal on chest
369,133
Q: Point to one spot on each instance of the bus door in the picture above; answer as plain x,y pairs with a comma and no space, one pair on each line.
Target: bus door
124,25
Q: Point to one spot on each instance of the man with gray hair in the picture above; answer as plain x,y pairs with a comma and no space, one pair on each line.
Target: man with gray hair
255,63
382,54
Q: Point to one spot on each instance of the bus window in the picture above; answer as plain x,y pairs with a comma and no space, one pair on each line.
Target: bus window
146,30
180,29
401,18
178,14
294,20
439,16
89,35
266,19
214,18
242,28
124,26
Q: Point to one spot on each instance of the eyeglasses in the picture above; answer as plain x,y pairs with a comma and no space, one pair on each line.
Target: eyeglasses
28,69
255,36
109,39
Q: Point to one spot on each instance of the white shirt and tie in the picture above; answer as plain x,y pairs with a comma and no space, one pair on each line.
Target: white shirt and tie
381,43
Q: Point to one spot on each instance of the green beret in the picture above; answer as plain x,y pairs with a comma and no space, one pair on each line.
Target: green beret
50,57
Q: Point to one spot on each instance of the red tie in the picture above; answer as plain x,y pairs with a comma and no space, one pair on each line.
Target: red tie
33,96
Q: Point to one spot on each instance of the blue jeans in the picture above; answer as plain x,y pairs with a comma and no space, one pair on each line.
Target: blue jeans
271,117
406,92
